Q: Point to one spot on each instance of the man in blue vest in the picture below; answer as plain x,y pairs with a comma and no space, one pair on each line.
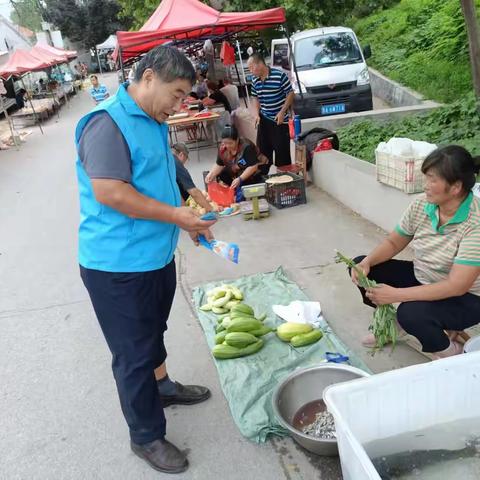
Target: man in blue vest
131,213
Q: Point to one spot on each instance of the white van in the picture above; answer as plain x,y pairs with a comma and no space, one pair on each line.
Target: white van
331,68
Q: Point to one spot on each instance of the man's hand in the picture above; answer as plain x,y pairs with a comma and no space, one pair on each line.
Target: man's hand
257,121
280,117
383,294
206,233
364,266
236,183
188,220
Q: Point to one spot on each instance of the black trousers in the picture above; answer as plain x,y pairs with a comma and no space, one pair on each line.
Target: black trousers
227,178
132,310
425,320
273,138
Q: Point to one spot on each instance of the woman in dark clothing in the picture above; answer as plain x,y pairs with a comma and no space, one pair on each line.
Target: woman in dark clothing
237,161
20,98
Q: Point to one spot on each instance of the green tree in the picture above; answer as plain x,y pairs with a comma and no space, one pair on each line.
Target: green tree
88,22
301,14
26,13
137,12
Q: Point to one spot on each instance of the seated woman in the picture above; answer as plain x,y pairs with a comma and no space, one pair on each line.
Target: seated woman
237,161
216,96
199,89
439,292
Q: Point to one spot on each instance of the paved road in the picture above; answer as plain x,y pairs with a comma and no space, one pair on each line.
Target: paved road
60,416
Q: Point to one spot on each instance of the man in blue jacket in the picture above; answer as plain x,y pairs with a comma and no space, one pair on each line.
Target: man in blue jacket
131,214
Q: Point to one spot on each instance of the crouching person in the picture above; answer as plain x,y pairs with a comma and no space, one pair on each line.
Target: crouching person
238,161
439,291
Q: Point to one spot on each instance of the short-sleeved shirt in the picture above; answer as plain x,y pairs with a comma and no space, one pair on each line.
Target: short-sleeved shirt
247,157
271,92
103,150
438,248
99,94
220,97
104,153
184,179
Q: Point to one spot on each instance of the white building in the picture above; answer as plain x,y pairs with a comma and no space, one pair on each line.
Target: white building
10,37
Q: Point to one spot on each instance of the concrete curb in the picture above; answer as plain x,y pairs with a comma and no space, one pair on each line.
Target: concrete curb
353,183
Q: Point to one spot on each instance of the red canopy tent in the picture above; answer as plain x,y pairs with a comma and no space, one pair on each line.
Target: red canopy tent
59,52
21,62
191,20
47,57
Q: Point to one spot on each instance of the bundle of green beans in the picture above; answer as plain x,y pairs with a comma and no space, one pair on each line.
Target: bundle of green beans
384,326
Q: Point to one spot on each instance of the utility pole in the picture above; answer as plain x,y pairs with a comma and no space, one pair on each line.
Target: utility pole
469,12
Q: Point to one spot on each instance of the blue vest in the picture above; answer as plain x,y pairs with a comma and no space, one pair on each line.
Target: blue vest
109,240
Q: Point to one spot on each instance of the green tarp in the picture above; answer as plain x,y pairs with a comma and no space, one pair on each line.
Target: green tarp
248,383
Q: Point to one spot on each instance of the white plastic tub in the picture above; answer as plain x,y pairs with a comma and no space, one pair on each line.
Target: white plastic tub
472,345
401,401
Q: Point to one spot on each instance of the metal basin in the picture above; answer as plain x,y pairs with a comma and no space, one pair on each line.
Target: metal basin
306,385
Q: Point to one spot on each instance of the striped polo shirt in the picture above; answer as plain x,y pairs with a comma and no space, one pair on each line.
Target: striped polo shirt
99,94
438,248
271,92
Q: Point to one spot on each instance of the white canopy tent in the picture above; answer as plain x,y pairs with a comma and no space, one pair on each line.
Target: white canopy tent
109,44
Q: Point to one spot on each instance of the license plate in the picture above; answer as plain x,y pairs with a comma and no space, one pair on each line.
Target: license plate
331,109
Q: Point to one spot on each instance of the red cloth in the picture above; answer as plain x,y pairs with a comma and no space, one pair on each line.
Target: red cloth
227,54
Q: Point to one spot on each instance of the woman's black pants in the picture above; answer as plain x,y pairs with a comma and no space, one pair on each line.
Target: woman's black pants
425,320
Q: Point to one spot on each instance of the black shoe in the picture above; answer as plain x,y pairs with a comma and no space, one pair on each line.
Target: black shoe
162,456
186,395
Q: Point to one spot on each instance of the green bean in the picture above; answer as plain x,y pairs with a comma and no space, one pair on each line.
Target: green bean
383,326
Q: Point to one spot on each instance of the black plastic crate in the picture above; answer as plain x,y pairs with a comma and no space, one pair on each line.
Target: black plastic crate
286,195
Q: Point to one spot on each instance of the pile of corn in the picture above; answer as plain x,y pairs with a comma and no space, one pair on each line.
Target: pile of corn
238,329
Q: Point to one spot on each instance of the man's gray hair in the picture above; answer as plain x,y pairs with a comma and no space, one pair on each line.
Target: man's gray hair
168,63
180,147
257,58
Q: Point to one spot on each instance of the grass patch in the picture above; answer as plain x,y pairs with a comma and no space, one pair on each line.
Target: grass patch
421,44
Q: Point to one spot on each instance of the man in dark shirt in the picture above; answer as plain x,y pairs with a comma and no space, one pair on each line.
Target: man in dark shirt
216,96
272,97
184,179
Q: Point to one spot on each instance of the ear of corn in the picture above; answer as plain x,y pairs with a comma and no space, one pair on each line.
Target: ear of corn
286,331
231,304
223,300
237,293
240,339
244,325
243,308
225,352
306,338
220,337
261,331
219,310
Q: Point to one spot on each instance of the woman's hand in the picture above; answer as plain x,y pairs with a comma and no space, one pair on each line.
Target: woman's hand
383,294
364,266
236,183
209,178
